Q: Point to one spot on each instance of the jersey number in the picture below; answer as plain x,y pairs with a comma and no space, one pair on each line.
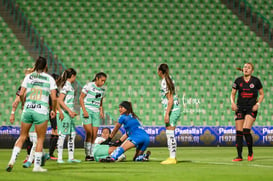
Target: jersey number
36,94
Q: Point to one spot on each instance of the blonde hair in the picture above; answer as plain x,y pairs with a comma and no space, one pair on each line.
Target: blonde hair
28,70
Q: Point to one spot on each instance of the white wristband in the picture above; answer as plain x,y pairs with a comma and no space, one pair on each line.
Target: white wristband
12,112
258,104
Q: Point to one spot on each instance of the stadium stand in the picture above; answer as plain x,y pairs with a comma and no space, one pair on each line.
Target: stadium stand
202,41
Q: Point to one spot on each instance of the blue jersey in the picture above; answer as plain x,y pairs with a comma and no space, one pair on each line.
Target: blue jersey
131,124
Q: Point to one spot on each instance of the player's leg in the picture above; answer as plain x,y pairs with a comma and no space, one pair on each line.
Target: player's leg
94,136
139,155
18,144
40,128
29,148
88,135
95,122
249,120
123,148
33,139
239,139
53,138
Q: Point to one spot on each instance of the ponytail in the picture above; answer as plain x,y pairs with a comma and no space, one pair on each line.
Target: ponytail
40,64
65,75
129,109
165,71
249,63
240,69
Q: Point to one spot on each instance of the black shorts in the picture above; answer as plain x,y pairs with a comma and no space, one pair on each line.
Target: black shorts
243,111
53,123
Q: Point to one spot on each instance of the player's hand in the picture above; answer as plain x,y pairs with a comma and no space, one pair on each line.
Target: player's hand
255,107
61,116
107,141
234,107
85,114
72,114
52,114
11,118
167,119
116,143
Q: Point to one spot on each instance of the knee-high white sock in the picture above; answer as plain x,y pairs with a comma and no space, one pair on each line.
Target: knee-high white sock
38,159
87,148
91,149
32,153
15,152
60,145
71,145
171,143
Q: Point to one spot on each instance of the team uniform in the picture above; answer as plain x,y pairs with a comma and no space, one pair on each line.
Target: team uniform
135,132
92,103
67,125
175,111
247,96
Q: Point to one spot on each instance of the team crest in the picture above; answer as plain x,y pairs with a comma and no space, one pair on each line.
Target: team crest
251,86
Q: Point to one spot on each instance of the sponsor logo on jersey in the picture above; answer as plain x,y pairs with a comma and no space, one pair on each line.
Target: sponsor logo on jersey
251,85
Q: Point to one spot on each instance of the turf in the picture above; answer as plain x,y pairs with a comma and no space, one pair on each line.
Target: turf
194,163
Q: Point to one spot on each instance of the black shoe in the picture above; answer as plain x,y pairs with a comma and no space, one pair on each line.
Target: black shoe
89,158
9,168
147,155
107,159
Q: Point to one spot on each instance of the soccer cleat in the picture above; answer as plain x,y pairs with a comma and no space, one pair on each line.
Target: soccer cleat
250,158
89,158
52,157
73,161
237,159
44,158
169,161
39,169
27,164
121,158
9,168
60,161
107,159
147,155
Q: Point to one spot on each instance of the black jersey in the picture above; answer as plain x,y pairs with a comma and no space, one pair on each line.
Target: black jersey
247,91
50,101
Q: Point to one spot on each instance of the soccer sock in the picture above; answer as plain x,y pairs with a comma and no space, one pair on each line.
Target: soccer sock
38,159
239,143
91,149
15,152
29,145
249,140
60,146
32,153
87,148
119,151
70,146
171,141
140,158
50,143
53,144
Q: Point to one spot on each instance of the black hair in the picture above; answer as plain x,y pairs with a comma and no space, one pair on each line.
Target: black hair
129,109
55,76
40,64
65,75
99,75
165,71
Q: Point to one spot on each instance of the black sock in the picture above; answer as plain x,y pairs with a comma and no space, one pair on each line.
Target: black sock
239,143
249,140
29,145
53,144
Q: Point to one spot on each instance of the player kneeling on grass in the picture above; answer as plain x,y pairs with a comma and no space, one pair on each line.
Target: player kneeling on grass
137,136
102,152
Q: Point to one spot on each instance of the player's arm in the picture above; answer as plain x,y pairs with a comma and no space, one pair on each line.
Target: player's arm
22,96
54,103
232,99
169,107
64,106
14,107
101,109
81,99
260,99
115,130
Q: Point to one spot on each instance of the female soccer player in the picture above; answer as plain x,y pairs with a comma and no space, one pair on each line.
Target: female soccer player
137,136
91,111
65,121
171,107
38,86
246,109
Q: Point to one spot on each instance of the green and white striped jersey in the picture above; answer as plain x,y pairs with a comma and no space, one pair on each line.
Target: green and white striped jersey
93,97
68,91
164,101
38,87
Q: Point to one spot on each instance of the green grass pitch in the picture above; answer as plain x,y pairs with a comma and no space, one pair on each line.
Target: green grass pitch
194,163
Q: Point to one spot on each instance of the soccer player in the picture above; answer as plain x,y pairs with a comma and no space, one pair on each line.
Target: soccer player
91,99
53,122
171,107
246,108
37,86
65,120
137,136
102,151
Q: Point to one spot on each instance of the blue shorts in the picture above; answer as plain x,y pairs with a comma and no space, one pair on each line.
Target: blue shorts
140,139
